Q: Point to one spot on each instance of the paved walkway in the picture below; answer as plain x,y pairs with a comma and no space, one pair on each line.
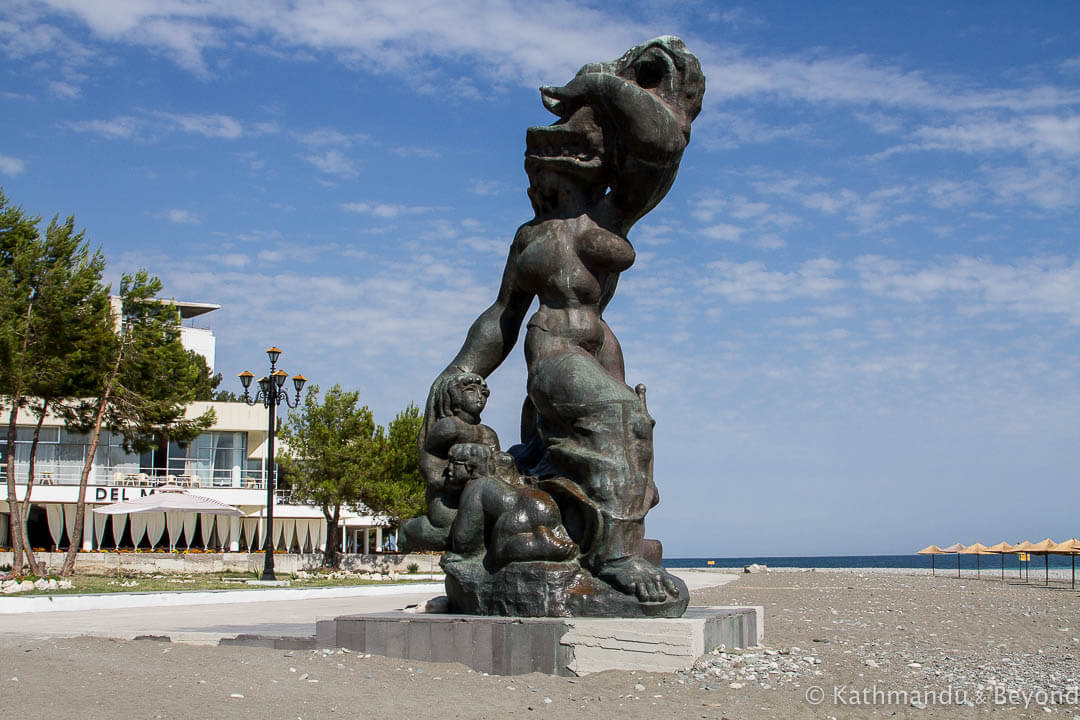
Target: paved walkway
229,613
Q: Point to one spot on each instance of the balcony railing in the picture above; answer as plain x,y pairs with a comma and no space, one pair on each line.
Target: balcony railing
218,478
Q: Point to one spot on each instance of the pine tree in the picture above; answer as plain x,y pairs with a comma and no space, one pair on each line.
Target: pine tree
330,457
22,260
399,493
145,391
54,333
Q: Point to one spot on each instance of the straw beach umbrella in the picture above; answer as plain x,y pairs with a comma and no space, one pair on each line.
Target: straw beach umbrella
1069,547
931,550
955,548
1043,548
1001,548
975,549
1019,549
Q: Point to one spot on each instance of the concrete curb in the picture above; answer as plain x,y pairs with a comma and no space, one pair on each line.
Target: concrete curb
115,601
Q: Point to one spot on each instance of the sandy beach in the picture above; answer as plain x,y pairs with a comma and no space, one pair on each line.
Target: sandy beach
842,644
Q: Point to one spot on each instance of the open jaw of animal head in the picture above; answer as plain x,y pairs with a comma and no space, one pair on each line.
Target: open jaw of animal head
649,97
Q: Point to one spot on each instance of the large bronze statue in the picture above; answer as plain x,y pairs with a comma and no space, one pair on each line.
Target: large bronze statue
560,531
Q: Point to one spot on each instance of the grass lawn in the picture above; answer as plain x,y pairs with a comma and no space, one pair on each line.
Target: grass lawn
83,584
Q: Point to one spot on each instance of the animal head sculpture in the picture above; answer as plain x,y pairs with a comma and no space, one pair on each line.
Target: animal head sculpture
622,128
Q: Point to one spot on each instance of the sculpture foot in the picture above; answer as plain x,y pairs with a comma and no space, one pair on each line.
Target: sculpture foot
637,576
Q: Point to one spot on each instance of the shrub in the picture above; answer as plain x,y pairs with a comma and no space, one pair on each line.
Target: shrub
413,568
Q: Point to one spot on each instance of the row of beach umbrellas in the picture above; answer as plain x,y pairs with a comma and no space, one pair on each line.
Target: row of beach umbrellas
1046,548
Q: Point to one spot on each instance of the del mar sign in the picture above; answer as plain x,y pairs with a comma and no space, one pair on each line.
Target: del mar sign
116,494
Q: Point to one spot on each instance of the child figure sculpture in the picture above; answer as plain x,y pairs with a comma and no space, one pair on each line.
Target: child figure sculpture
459,400
522,522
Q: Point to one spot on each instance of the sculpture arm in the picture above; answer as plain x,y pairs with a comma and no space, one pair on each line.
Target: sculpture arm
647,124
653,135
489,341
493,334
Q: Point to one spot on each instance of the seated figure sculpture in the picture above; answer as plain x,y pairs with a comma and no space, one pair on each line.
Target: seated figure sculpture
611,156
458,401
500,514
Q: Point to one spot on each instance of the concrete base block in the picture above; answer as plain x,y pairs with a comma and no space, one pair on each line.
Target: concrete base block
658,644
555,646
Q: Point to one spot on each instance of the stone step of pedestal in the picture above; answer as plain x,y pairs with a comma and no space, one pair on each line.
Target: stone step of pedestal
556,646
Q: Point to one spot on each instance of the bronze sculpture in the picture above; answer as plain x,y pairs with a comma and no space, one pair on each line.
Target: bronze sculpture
584,466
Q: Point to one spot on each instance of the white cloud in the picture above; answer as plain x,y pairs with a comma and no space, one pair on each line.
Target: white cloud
768,241
122,126
211,126
486,188
1032,286
723,231
1048,186
752,282
521,42
652,235
385,211
23,36
706,206
11,165
415,151
952,193
509,42
329,136
1039,134
740,16
725,131
333,162
862,80
491,246
232,260
64,90
181,217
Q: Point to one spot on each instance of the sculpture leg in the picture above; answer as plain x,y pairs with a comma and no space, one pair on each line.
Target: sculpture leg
605,446
419,534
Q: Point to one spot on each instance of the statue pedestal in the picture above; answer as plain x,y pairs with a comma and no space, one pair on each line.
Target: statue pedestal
555,646
547,589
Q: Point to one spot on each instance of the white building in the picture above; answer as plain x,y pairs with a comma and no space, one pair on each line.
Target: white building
227,462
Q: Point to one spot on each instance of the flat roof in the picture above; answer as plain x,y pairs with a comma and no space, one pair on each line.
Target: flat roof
193,309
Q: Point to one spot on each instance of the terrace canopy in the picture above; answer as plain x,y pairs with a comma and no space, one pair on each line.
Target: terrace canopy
170,498
180,510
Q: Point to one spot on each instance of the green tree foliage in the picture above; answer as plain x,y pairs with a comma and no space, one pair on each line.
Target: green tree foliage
145,385
330,457
54,311
399,493
222,395
156,378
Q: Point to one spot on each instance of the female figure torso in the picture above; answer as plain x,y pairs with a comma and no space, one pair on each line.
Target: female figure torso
571,265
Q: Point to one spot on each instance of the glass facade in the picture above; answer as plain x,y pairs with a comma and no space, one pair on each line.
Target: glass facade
214,459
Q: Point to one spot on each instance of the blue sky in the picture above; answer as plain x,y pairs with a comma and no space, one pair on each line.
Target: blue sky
857,311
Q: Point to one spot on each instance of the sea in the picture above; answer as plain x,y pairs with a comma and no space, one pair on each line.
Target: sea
941,562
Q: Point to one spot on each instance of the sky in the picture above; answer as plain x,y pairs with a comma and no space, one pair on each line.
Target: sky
857,312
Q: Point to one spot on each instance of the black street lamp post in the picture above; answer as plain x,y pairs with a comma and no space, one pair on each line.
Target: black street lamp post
271,394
